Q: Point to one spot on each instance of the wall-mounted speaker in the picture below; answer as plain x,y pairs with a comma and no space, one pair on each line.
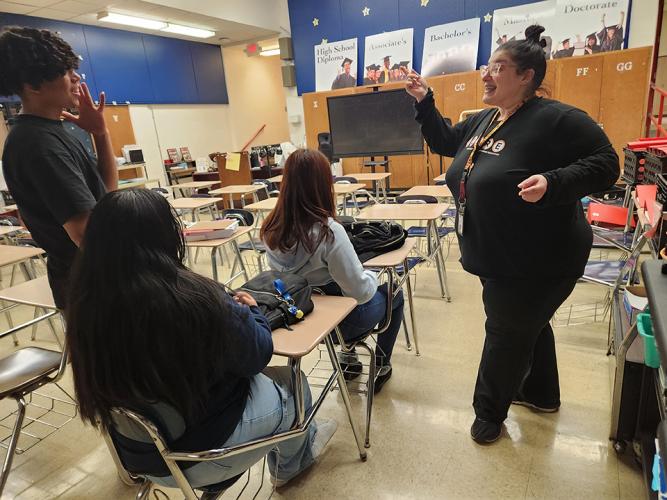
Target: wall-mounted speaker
286,52
289,76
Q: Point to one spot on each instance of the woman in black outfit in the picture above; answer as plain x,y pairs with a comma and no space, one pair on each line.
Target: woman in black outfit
519,171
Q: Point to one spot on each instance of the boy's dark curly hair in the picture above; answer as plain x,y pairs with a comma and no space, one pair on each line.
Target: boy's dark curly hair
31,56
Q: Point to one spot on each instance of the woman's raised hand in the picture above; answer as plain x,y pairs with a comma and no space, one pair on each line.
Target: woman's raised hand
415,85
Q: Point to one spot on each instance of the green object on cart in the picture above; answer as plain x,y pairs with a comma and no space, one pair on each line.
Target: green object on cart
645,328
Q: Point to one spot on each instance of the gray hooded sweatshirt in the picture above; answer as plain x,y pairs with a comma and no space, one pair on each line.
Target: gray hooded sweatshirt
333,260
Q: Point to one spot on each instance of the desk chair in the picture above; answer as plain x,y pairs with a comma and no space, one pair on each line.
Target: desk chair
354,203
269,189
617,274
153,438
422,232
349,346
21,373
255,245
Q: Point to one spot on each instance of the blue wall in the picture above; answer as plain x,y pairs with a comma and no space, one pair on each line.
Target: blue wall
342,19
141,69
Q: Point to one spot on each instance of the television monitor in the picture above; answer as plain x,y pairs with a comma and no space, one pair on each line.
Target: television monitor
374,124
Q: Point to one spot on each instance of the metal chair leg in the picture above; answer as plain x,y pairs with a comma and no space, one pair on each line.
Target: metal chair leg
331,349
411,306
407,335
11,448
124,476
370,387
144,490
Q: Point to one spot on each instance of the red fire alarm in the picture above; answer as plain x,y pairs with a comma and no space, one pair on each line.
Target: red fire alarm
252,49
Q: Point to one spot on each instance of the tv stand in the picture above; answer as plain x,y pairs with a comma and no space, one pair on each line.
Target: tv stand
384,164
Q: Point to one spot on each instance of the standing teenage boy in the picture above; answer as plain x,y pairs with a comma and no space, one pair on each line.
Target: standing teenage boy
52,178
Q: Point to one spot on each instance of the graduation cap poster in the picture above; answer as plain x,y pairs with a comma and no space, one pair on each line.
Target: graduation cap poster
450,48
389,51
336,65
584,27
511,23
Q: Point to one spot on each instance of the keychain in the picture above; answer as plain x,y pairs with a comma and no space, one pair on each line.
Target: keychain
282,290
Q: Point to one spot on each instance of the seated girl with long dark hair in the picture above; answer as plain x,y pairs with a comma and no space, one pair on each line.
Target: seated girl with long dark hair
303,237
147,334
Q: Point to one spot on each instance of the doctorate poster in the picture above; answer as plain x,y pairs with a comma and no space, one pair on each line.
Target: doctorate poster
450,48
336,65
386,53
584,27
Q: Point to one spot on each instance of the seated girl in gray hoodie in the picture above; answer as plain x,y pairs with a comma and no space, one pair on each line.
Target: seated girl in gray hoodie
303,237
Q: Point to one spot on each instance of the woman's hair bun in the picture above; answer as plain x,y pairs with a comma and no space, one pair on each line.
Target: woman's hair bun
533,34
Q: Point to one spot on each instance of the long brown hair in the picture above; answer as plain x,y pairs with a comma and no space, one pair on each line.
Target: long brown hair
306,199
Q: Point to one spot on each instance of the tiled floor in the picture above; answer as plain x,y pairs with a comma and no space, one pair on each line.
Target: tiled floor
421,446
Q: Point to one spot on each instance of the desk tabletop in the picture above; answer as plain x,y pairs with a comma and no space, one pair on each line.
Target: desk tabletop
348,188
264,205
276,178
439,178
378,176
437,191
35,292
393,258
306,335
238,189
404,211
194,185
10,254
193,203
10,229
222,241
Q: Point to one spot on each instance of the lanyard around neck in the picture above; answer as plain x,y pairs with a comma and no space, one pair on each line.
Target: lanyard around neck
470,162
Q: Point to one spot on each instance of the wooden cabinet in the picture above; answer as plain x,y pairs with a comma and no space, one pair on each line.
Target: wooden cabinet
624,95
579,81
316,113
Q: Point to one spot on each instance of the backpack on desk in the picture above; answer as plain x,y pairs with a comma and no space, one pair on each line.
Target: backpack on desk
273,305
373,238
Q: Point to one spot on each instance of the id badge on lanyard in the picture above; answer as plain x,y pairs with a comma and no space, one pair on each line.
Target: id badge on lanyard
470,164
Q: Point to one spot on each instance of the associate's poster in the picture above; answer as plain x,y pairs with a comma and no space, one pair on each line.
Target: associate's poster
336,65
584,27
385,53
450,48
511,23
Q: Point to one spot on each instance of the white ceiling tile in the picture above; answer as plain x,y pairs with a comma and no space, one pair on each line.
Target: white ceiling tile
15,8
73,7
53,14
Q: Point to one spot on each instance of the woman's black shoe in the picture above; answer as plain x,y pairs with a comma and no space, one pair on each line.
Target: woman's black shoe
484,432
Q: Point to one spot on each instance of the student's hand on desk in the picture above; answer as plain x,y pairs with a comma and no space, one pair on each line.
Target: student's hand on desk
245,299
532,189
416,86
91,117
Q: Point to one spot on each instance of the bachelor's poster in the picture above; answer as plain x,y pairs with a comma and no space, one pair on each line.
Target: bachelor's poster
511,23
385,54
450,48
336,65
585,27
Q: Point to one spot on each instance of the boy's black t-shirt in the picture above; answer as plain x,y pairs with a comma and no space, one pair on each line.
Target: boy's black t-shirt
52,178
505,237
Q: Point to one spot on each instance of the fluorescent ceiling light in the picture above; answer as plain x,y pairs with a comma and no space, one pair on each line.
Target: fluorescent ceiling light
139,22
270,51
186,30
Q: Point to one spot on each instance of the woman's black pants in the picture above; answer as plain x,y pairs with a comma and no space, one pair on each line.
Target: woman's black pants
519,356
